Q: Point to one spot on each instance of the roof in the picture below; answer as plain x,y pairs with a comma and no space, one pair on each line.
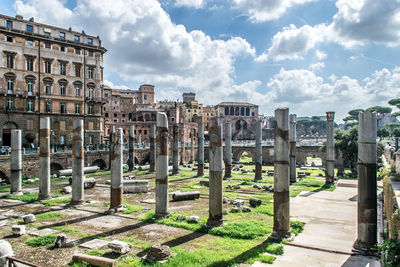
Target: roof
237,104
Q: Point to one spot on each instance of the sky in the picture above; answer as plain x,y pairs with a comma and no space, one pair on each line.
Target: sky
311,56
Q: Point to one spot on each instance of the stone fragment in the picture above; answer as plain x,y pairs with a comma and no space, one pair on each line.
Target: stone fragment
245,209
60,241
194,219
205,183
237,202
178,196
67,189
30,181
46,231
89,183
119,247
257,186
94,244
5,251
229,186
254,202
158,253
237,186
95,260
225,200
18,230
135,186
29,218
235,209
181,218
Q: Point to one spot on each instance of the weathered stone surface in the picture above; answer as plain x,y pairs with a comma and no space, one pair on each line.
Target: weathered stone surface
18,230
254,202
237,202
60,241
5,250
89,183
181,218
257,186
135,186
94,244
119,247
46,231
29,218
237,186
67,189
178,196
245,209
225,200
194,219
95,260
158,253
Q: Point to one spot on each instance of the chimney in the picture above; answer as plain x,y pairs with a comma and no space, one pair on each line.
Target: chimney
32,19
19,17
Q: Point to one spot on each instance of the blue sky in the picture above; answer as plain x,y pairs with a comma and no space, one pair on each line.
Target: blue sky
311,56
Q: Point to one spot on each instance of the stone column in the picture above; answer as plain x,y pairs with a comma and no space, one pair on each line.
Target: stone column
330,148
258,173
228,150
281,227
175,154
116,169
110,138
200,149
78,177
131,159
367,184
292,138
162,166
44,159
183,147
152,147
340,166
192,146
216,168
16,163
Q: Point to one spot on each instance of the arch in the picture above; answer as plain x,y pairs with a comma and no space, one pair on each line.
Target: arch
242,111
91,84
48,80
30,77
10,75
247,111
63,81
232,111
100,163
226,111
237,111
237,154
237,125
245,125
55,168
77,83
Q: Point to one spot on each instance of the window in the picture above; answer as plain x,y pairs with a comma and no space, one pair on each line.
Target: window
106,115
9,39
10,104
62,89
62,108
48,88
90,53
47,45
63,68
77,70
145,98
47,34
30,87
90,72
62,48
9,24
10,85
29,28
29,64
78,108
115,115
90,110
48,107
29,43
62,139
90,41
78,90
62,35
77,39
77,51
91,92
30,106
47,66
10,61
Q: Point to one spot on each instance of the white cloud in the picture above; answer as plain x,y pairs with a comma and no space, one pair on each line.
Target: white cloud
191,3
145,46
114,86
321,55
317,66
261,10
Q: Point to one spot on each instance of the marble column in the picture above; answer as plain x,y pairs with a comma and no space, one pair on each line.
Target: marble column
77,163
367,183
44,159
258,172
183,147
192,146
228,150
281,227
16,163
292,155
131,159
162,166
110,138
175,154
116,169
200,150
330,148
152,147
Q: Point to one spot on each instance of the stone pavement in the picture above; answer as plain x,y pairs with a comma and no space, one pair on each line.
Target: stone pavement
330,219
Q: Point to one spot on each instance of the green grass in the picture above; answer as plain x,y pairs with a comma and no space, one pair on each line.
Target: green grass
26,197
245,159
41,240
56,202
95,253
296,227
71,230
49,216
131,209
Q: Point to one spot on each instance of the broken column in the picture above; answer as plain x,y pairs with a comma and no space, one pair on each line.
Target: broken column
131,159
281,227
16,163
216,168
292,155
175,154
192,146
367,184
110,138
162,166
200,149
183,147
330,148
116,169
44,159
258,172
228,150
77,163
152,147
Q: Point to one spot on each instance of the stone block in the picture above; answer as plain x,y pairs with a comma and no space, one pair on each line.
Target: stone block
30,218
194,219
5,251
135,186
158,253
89,183
119,247
237,202
254,202
67,189
179,196
18,230
94,244
60,241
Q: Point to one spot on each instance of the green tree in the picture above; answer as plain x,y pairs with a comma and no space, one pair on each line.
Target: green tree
380,109
383,132
396,132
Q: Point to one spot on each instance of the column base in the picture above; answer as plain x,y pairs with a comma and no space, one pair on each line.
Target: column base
214,223
293,181
43,198
364,248
278,236
77,202
116,198
161,215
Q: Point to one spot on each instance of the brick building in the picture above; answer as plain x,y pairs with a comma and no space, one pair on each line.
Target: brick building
47,71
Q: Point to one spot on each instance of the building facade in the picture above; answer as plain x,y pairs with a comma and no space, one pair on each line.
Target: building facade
47,71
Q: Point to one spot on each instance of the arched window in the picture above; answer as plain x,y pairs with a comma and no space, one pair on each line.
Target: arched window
226,111
237,125
242,111
232,111
48,82
237,111
247,111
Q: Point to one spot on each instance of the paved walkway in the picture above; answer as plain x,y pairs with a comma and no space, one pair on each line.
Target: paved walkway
330,219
